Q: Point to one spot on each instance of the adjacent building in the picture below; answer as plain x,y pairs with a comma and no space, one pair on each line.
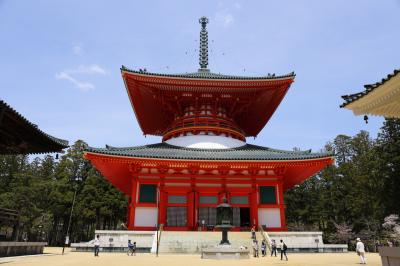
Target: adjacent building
20,136
381,98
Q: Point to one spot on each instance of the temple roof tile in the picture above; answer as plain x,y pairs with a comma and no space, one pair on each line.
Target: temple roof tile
245,152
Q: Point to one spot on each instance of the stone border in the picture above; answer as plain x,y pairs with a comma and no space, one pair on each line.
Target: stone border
8,249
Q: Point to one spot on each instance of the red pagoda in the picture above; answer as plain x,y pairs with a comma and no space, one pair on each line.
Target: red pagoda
204,119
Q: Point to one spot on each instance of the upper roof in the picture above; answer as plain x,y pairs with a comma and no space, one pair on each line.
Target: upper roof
20,136
205,74
157,99
350,98
243,153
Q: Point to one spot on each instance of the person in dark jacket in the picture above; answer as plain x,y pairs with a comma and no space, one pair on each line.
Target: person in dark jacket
283,248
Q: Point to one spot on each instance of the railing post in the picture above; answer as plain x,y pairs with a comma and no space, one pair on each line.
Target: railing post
265,237
159,230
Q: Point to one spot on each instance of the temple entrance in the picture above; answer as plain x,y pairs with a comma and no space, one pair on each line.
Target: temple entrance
244,217
176,216
241,217
209,216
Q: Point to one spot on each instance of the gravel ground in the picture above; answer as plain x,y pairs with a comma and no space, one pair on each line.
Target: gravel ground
53,258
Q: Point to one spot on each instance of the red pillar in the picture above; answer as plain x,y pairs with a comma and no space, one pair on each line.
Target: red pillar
196,209
191,206
190,210
162,216
282,207
132,204
254,206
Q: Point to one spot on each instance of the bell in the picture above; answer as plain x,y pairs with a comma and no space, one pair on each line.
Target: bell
366,119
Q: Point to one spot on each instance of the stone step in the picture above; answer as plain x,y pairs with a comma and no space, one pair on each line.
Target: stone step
193,242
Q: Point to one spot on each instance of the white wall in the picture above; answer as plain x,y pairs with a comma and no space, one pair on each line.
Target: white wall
206,142
270,217
146,216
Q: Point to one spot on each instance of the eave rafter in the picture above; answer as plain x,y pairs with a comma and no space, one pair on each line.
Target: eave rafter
279,167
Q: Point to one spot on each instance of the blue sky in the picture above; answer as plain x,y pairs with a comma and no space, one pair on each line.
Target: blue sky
60,60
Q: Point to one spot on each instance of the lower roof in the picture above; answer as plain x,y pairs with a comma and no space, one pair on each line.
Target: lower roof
243,153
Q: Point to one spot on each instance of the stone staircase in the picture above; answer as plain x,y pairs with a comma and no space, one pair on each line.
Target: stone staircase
193,242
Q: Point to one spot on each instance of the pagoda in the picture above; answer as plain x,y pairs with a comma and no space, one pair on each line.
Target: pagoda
204,119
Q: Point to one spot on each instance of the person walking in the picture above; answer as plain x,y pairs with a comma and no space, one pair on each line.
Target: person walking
263,248
273,247
130,248
283,248
96,245
360,249
255,248
134,248
253,233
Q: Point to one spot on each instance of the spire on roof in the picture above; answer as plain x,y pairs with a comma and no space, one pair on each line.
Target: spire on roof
203,56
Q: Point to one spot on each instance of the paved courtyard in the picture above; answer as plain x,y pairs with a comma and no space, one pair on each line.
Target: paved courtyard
53,258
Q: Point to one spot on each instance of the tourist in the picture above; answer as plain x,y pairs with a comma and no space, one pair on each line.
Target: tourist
255,248
130,248
361,251
263,248
134,248
283,248
253,233
273,247
96,245
123,226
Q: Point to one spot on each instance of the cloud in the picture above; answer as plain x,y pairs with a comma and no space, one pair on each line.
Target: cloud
77,49
70,75
224,17
91,69
227,19
83,86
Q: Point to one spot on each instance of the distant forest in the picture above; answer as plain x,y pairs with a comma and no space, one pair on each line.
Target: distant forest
348,199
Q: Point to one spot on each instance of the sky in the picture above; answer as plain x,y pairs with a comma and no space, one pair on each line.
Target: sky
60,60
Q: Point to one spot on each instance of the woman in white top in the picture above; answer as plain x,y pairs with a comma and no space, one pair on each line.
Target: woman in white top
96,243
361,251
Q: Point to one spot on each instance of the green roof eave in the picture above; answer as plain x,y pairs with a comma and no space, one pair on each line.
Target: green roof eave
201,74
243,153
